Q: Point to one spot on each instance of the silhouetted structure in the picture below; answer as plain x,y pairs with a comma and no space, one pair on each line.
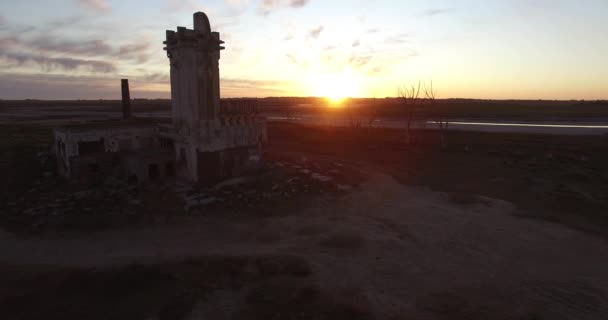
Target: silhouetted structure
206,140
126,99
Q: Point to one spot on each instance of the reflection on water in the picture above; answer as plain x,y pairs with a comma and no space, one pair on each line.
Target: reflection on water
569,128
536,125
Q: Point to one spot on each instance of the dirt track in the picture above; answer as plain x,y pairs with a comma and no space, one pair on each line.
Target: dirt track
396,251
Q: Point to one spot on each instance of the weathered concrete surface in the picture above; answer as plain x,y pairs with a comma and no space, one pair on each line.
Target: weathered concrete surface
198,124
231,137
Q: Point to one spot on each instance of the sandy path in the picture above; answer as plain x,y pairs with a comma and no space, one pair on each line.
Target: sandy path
398,250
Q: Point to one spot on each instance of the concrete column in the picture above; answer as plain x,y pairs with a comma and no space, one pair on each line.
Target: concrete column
126,99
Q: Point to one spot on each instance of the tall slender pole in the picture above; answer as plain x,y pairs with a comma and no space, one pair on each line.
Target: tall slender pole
126,99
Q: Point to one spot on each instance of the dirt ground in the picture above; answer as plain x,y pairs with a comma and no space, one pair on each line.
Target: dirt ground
496,227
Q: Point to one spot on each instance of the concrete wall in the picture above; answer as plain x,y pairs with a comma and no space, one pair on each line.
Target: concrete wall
67,141
216,166
212,136
139,167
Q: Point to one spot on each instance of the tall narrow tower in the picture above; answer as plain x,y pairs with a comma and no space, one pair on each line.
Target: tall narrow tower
209,145
195,76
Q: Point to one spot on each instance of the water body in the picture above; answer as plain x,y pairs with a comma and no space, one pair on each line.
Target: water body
587,127
567,128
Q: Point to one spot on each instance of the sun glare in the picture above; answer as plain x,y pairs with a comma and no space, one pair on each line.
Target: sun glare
336,87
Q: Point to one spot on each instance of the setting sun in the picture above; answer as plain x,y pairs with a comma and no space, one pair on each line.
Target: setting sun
336,87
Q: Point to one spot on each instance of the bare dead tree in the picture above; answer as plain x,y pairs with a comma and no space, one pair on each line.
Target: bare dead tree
353,112
439,116
409,99
373,112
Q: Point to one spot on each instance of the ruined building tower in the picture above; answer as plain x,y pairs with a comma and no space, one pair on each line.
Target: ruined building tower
195,77
210,142
207,140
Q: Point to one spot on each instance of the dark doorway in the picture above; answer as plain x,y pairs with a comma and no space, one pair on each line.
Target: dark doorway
169,169
93,168
89,147
229,163
166,143
153,171
209,167
132,179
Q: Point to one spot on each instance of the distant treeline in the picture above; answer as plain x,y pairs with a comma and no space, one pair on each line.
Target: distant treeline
452,108
383,107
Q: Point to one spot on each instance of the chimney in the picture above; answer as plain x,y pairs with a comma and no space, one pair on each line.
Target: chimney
126,99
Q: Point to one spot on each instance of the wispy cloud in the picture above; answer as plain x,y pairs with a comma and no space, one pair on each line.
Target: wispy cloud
52,86
298,3
136,51
59,86
185,5
55,49
316,32
237,3
359,61
436,11
97,5
80,47
268,6
8,42
397,39
254,88
50,64
69,22
154,77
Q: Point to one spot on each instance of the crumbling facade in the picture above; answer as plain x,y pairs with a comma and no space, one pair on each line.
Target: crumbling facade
208,139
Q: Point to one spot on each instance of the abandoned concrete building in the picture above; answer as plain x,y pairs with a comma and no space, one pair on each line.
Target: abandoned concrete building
206,140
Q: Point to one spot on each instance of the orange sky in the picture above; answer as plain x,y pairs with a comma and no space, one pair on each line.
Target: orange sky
496,49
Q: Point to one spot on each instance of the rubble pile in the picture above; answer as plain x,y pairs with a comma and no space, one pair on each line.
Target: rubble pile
50,203
281,183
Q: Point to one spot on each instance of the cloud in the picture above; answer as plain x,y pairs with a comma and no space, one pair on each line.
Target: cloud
237,3
359,62
85,47
55,86
292,58
268,6
298,3
50,64
46,86
137,51
244,87
44,45
97,5
316,32
376,70
69,22
155,77
436,11
8,42
397,39
2,20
